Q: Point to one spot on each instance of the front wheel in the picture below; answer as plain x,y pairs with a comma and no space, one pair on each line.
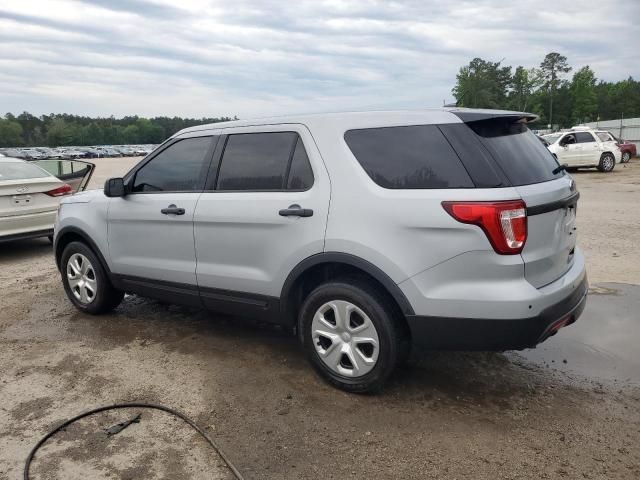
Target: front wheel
607,162
351,335
626,156
85,280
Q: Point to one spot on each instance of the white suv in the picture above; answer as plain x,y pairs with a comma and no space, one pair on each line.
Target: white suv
584,147
364,232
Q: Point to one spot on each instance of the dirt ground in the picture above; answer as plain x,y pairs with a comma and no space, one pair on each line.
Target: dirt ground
447,415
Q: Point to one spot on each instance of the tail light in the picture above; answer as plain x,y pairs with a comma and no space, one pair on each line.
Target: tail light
60,191
504,223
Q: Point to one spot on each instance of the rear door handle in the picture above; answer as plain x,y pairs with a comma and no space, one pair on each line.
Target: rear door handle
295,210
172,210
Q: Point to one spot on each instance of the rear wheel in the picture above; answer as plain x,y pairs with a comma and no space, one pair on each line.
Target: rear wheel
626,156
607,162
351,335
85,280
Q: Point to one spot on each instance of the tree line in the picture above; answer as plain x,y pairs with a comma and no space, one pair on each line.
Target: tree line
549,90
27,130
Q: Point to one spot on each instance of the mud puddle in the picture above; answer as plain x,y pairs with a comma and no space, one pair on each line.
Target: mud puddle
604,344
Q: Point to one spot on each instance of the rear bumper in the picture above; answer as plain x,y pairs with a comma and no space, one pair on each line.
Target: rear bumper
27,226
450,333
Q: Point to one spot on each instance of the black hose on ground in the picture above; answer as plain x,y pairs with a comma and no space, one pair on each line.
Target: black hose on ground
178,414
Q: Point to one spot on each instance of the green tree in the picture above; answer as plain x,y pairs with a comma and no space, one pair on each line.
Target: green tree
482,84
583,95
59,132
131,134
523,84
10,133
552,67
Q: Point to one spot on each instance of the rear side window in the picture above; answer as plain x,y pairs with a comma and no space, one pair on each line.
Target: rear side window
263,162
181,167
517,151
584,137
300,174
408,157
20,171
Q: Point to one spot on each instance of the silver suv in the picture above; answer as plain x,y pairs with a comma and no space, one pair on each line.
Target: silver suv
365,233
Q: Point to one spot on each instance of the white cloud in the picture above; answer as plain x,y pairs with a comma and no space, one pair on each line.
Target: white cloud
255,58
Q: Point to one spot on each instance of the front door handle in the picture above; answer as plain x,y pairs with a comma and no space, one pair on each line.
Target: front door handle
295,210
172,210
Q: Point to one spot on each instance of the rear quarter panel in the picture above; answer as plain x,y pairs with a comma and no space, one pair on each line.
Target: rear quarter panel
403,232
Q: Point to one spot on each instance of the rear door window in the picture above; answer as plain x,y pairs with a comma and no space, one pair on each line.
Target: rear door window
517,151
584,137
408,157
270,161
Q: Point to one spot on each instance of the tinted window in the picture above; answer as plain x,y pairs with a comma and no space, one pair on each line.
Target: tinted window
256,161
518,152
475,158
20,170
300,174
408,157
584,137
180,167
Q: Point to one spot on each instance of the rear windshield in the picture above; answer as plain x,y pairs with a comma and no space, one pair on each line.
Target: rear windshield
20,170
408,157
517,151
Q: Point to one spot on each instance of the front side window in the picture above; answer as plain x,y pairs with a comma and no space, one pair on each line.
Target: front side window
181,167
410,157
263,162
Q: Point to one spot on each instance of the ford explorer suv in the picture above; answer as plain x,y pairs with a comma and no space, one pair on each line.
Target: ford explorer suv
365,233
582,147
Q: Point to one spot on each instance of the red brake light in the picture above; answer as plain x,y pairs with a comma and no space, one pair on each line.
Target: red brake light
60,191
504,223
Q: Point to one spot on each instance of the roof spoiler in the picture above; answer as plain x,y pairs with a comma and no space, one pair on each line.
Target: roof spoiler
472,115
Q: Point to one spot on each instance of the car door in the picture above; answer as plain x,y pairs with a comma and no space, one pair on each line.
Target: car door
263,213
569,150
589,151
150,230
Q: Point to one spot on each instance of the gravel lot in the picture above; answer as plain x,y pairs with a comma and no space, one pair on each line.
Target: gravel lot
569,409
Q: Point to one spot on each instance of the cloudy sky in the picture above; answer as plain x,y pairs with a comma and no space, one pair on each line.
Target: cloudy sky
254,58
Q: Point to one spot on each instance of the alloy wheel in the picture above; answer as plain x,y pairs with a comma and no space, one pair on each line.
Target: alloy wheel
345,338
82,278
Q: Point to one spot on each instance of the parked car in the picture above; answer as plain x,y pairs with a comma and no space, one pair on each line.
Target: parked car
29,195
364,232
627,149
581,147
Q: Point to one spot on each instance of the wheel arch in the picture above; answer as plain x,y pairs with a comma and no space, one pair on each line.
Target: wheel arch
71,234
318,268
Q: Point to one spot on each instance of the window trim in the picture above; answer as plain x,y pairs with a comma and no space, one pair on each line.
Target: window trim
130,177
212,186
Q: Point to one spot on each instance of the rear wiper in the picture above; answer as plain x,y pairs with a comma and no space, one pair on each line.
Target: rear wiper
560,168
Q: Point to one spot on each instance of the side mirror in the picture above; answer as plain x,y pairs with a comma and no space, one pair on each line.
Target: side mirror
114,187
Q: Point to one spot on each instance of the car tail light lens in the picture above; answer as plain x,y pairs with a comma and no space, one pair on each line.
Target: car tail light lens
504,223
60,191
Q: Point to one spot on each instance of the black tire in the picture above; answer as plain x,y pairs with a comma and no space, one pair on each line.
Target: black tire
607,162
626,156
106,297
392,337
